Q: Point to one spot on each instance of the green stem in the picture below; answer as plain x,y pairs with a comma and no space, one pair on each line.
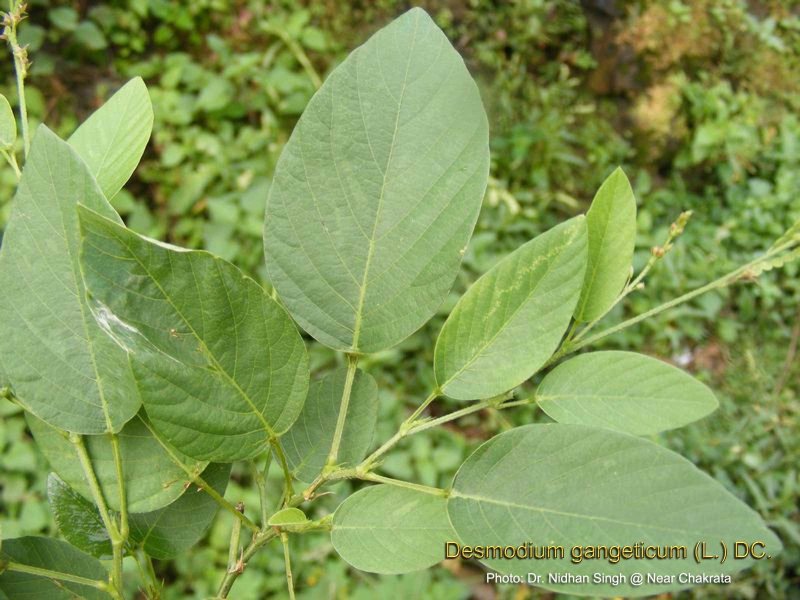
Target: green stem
258,540
287,473
123,497
197,480
421,408
299,54
260,476
39,572
20,69
236,531
12,160
333,455
288,564
404,484
721,282
97,494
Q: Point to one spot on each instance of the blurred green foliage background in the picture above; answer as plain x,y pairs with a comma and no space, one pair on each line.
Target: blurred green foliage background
697,100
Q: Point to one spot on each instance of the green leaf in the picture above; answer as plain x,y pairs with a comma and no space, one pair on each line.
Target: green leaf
112,140
59,362
611,224
163,534
378,189
152,479
77,519
288,516
308,441
512,319
8,124
624,391
572,485
387,529
174,529
54,555
219,365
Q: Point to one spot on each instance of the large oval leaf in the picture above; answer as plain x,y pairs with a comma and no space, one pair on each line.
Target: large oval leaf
112,140
219,365
163,534
152,479
611,223
624,391
54,555
572,485
58,361
511,320
387,529
308,441
378,189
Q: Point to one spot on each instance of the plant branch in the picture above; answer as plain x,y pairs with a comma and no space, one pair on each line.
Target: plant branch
421,408
99,500
261,481
258,540
20,54
287,473
721,282
11,159
333,455
298,52
236,530
288,564
39,572
123,497
404,484
197,480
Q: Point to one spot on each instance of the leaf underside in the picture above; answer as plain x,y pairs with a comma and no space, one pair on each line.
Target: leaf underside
386,529
378,189
219,365
152,479
59,363
624,391
308,441
512,319
573,485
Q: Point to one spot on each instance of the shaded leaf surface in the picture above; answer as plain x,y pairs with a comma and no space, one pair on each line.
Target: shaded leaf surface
387,529
219,365
572,485
152,479
308,441
112,140
163,533
378,189
59,362
624,391
611,224
55,555
512,319
8,124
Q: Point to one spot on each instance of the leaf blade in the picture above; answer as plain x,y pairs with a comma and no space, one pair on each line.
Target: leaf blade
112,140
611,223
623,391
219,365
360,253
391,530
308,441
60,364
496,336
585,488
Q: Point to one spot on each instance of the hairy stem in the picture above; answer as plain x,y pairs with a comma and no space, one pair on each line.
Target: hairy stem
236,531
421,408
20,54
258,540
114,535
333,455
260,476
404,484
123,497
288,564
197,480
57,575
287,473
